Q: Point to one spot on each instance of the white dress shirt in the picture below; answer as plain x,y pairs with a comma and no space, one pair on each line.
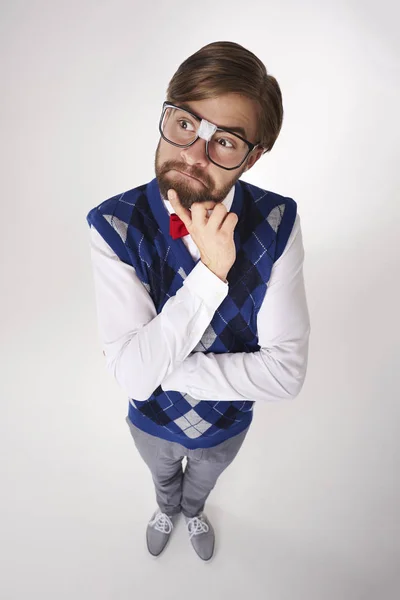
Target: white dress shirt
144,349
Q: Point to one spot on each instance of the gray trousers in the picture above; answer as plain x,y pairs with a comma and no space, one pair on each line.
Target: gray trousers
188,490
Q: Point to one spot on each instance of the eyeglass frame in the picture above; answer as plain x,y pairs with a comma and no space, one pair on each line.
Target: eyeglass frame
249,144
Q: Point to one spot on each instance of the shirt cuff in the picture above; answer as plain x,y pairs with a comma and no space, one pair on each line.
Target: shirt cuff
206,285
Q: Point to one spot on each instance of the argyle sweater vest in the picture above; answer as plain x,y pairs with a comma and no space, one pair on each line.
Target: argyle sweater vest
135,224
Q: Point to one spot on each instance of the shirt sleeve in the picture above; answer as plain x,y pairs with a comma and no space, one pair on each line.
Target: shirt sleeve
275,372
142,347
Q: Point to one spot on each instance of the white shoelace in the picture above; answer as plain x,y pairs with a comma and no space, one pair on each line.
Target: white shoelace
196,525
162,523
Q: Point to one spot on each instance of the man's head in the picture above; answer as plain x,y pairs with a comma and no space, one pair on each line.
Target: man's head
228,86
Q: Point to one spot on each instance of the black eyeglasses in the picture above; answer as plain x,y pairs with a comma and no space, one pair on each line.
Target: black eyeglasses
181,127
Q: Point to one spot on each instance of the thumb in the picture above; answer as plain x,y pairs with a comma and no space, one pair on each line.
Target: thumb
183,213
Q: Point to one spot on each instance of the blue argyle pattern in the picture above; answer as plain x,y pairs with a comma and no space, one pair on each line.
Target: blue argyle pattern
135,224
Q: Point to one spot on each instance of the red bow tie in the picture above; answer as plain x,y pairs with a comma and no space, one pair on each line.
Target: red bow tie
177,227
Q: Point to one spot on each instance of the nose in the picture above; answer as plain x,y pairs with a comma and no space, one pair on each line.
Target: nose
196,153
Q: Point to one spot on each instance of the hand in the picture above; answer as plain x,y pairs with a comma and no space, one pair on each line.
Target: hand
212,235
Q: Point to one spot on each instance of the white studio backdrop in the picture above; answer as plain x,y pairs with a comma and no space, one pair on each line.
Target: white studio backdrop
310,508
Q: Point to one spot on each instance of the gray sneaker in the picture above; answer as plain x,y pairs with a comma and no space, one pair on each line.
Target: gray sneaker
158,531
202,536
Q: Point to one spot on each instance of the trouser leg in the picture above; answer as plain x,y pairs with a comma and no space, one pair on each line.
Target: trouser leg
202,472
164,460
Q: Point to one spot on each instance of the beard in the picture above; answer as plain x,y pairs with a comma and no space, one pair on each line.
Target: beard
189,190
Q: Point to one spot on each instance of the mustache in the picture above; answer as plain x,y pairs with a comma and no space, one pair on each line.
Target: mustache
193,173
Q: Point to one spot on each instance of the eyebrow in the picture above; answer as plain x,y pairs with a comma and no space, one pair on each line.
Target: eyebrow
238,130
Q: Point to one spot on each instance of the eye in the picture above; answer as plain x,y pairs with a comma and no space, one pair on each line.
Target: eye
183,121
227,143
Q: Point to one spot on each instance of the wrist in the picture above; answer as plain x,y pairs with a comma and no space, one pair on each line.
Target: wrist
220,274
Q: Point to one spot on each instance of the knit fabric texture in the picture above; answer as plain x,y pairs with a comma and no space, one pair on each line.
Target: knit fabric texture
136,224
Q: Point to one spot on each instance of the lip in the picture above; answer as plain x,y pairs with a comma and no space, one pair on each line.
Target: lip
181,172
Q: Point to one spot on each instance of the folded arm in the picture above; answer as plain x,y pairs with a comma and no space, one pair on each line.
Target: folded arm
141,347
275,372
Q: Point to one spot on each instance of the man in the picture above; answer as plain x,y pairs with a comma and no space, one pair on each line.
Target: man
199,285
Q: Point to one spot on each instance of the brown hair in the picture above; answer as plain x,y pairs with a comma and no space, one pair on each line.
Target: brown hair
222,67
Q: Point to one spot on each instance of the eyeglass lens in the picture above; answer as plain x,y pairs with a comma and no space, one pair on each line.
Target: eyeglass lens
180,127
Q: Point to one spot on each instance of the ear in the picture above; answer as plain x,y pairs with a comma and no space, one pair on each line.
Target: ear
253,158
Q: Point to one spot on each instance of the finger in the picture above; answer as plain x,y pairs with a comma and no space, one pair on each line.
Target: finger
183,213
200,212
218,216
230,222
208,204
